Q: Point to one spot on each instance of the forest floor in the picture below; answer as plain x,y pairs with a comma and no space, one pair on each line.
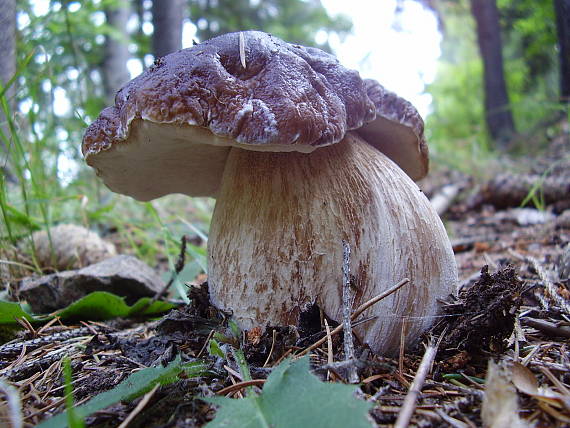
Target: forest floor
513,309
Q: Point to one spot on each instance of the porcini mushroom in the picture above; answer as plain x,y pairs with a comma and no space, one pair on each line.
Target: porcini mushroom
301,154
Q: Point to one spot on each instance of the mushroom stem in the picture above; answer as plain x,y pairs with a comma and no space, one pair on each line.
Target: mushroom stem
276,237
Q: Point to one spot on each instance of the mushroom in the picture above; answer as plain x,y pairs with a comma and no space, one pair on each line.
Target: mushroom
301,154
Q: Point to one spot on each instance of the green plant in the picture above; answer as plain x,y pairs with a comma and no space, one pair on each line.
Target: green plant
294,397
132,387
73,420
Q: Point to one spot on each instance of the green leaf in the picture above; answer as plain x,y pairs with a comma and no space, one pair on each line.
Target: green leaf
99,305
132,387
20,218
214,349
9,311
293,397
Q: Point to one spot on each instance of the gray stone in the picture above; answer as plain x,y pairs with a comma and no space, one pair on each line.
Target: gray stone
124,276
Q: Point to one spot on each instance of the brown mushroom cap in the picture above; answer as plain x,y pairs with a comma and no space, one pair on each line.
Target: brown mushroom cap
171,127
397,131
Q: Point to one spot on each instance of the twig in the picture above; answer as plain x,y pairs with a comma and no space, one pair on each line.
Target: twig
402,347
347,300
274,334
409,404
342,365
139,407
48,325
358,311
27,325
21,371
561,387
381,391
547,327
14,404
330,356
240,385
455,423
376,299
459,389
233,372
10,349
210,334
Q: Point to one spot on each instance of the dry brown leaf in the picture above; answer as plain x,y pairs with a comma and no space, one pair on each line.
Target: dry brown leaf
500,404
525,381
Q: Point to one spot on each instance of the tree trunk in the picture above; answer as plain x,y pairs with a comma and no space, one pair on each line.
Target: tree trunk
497,111
115,71
7,70
562,11
167,16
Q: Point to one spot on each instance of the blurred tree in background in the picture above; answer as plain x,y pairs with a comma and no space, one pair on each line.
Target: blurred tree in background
167,22
562,10
531,69
7,71
497,112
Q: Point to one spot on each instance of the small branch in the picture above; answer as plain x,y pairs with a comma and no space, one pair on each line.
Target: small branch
356,313
330,355
402,347
409,405
11,349
274,335
547,327
342,365
347,299
376,299
240,385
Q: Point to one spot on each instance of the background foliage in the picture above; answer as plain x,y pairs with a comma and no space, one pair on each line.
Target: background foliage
58,91
530,52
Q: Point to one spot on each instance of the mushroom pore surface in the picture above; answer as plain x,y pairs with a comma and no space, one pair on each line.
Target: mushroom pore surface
276,235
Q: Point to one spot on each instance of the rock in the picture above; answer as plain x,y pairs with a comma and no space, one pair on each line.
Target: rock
71,247
531,216
124,276
524,216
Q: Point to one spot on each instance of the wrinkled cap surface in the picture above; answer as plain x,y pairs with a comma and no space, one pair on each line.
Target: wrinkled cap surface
171,128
